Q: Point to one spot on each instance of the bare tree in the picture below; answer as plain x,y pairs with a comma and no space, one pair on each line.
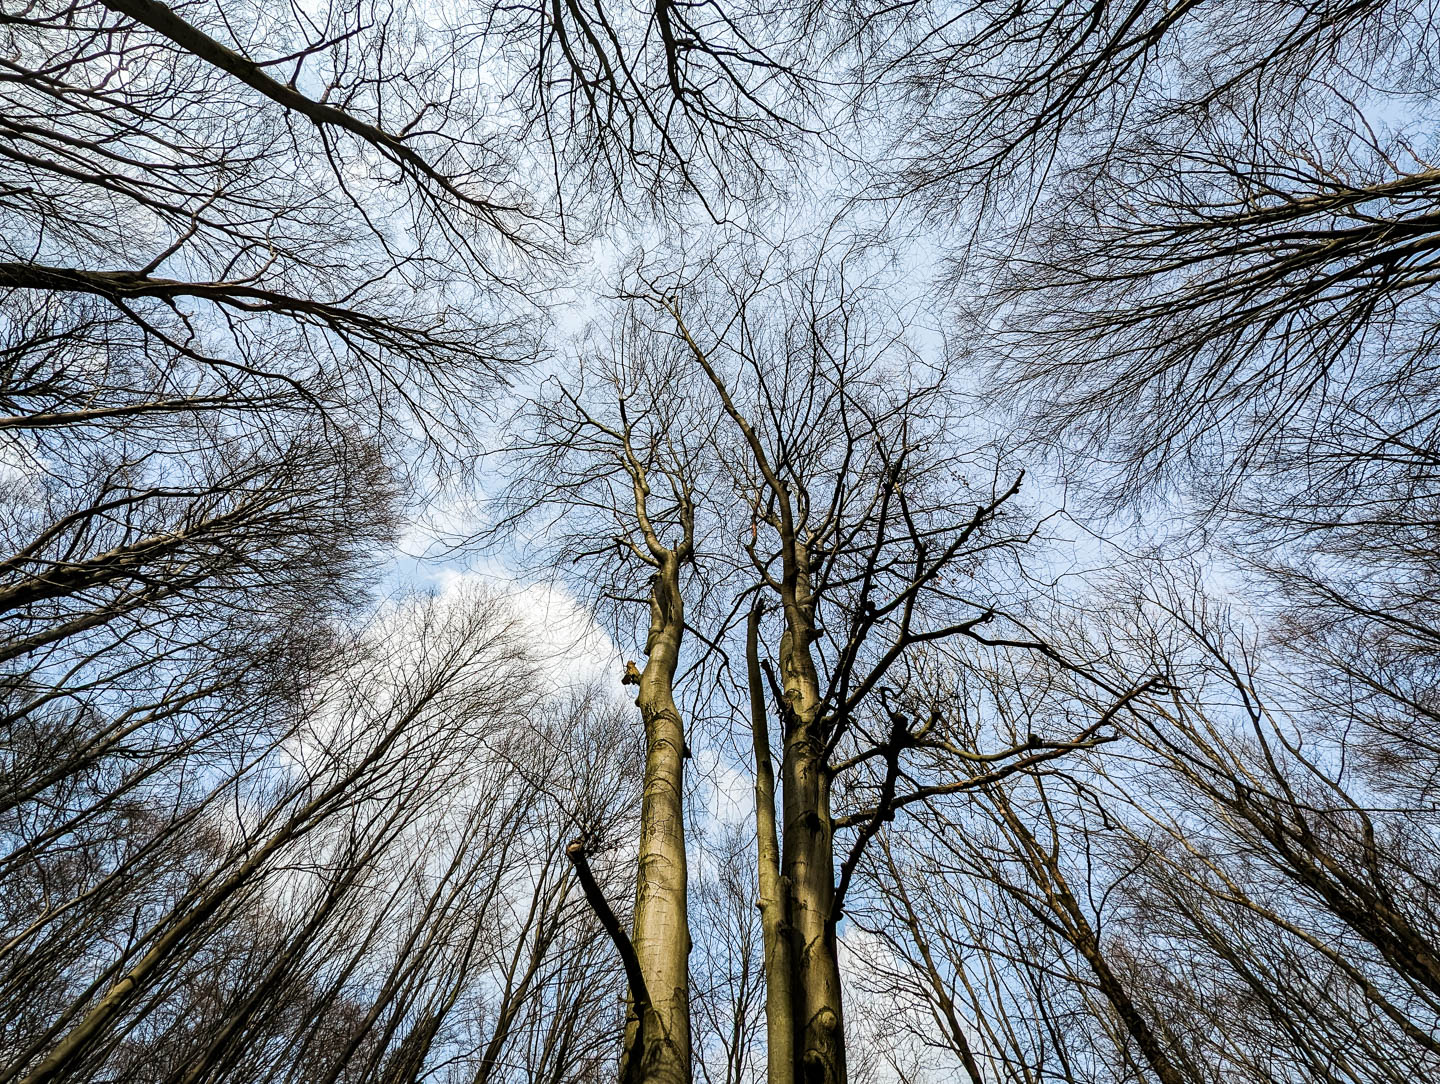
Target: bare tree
728,970
212,352
613,462
859,524
381,888
1224,293
1220,895
1207,276
261,271
643,104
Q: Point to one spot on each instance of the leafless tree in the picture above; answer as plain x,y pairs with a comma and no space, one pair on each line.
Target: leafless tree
1219,895
383,885
262,273
260,268
642,104
611,464
1205,270
1223,289
728,966
856,525
213,354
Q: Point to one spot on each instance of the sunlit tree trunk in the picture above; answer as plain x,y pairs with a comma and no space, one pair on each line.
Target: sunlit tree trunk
657,1048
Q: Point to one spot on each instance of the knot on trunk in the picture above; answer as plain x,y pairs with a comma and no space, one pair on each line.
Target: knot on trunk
820,1063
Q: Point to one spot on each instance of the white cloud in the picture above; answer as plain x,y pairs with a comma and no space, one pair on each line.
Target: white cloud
572,648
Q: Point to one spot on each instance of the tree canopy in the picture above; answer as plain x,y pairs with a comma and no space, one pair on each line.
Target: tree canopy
719,541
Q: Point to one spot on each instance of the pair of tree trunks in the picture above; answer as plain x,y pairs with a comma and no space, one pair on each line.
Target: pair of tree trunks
804,1025
805,1039
805,1036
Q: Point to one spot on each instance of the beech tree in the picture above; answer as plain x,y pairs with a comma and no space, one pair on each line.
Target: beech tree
1205,277
610,465
1224,293
266,271
1218,893
383,856
834,454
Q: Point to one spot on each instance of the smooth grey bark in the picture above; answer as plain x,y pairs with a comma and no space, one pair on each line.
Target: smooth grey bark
661,935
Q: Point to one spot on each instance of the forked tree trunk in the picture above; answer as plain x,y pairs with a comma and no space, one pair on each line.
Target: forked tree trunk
808,856
661,933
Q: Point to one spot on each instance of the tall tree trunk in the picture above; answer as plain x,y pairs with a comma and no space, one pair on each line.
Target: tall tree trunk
774,924
661,932
809,857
